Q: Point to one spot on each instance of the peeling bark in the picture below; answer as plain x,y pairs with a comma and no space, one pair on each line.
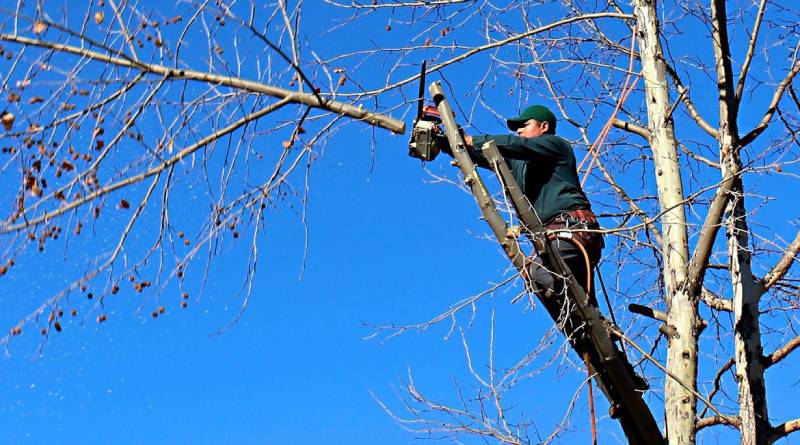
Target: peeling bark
680,404
754,422
755,428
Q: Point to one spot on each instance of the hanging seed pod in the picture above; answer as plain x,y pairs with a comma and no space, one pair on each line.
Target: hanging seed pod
39,27
7,120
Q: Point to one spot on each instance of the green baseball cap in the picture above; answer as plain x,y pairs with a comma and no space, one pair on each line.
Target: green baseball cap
538,112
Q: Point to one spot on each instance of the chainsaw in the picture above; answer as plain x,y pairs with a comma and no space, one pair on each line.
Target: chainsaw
427,134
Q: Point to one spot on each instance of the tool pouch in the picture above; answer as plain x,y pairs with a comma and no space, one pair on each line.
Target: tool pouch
569,227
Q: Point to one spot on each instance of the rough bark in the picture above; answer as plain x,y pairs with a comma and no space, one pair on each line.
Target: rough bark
754,423
680,404
755,427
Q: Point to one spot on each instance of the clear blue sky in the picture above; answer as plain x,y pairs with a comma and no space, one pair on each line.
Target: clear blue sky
387,246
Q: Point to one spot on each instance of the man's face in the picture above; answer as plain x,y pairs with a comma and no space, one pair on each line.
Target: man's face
533,128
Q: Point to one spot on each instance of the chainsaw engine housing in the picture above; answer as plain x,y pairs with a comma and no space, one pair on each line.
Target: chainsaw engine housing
424,142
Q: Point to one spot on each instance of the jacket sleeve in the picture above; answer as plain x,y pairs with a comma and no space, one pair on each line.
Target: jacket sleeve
524,149
475,154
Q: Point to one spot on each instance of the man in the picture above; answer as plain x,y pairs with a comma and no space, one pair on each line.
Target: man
543,165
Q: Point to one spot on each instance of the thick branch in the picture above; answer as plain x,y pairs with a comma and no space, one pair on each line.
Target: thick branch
776,98
784,264
633,128
729,107
716,302
750,50
717,420
785,429
311,100
781,353
708,234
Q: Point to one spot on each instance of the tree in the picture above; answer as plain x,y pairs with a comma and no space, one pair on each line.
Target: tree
635,90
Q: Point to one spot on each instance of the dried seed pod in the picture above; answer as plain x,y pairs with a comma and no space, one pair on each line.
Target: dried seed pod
123,204
99,16
7,118
57,326
39,27
102,318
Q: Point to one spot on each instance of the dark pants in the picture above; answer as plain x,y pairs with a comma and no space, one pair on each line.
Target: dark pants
565,243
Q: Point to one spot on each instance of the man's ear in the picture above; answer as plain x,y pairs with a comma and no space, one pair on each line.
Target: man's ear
545,126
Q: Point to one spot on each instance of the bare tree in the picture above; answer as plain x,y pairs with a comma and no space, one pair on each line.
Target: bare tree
112,108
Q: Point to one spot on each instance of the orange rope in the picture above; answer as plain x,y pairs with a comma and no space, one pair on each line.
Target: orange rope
586,354
594,150
591,398
580,247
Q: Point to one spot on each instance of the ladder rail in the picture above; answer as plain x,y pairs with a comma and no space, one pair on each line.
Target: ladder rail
581,322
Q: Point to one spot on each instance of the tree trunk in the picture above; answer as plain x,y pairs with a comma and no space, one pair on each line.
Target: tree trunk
680,404
754,426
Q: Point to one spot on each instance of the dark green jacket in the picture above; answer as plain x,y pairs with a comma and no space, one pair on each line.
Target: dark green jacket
544,168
